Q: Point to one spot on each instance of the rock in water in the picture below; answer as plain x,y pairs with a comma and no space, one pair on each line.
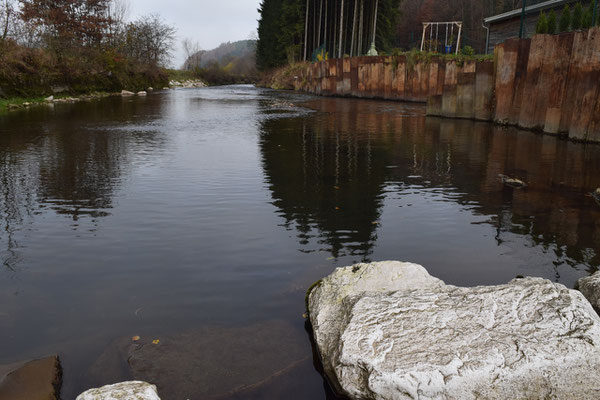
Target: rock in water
34,380
596,195
389,330
142,93
134,390
126,93
512,182
589,286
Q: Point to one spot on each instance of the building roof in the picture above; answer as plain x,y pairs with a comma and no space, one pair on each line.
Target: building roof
528,10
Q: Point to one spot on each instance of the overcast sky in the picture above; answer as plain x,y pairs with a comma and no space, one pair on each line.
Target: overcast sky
209,22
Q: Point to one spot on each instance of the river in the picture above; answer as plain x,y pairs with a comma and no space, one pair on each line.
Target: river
198,218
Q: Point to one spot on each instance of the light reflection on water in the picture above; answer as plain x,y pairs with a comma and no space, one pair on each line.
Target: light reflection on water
218,207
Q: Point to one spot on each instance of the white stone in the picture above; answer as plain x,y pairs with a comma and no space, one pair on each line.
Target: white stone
389,330
142,93
150,89
126,93
134,390
49,98
590,287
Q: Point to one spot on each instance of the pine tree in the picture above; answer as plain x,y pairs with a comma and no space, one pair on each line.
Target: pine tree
586,21
542,24
565,19
552,22
577,17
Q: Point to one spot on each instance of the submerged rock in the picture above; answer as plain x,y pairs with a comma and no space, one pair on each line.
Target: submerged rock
134,390
589,286
389,330
212,362
512,182
33,380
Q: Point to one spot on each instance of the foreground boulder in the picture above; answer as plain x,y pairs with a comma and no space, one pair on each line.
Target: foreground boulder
33,380
389,330
589,286
134,390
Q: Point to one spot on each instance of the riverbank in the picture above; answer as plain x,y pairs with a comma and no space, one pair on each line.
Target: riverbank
282,78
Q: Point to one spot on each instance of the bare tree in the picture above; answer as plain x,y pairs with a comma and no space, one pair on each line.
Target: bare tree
8,19
193,54
150,40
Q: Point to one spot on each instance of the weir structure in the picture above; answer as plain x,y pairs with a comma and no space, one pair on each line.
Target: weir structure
548,83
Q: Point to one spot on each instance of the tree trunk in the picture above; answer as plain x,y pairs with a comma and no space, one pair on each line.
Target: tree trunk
375,21
353,28
360,27
306,31
341,29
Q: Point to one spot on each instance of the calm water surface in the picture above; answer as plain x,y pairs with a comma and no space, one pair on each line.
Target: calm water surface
205,214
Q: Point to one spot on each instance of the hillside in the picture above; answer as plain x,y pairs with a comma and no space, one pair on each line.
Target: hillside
228,52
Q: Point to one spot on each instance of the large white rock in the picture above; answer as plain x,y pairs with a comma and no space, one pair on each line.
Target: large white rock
590,287
389,330
134,390
126,93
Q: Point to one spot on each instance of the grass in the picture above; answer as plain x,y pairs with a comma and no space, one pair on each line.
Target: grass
19,101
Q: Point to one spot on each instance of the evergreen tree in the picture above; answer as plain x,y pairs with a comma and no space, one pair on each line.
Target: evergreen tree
542,24
577,17
565,19
586,21
552,22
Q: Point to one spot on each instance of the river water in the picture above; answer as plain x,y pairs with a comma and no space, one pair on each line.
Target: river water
198,218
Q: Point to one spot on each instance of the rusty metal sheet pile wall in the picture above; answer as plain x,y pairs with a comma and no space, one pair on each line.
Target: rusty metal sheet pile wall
549,83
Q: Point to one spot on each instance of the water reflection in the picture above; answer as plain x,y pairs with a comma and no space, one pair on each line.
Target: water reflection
331,173
67,159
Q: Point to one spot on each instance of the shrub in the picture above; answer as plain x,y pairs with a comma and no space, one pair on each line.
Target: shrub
468,51
577,17
565,19
542,24
552,22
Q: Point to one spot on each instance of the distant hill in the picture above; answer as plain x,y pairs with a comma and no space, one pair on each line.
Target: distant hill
240,51
231,62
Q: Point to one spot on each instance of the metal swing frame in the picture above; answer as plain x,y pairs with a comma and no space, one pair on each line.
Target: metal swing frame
448,25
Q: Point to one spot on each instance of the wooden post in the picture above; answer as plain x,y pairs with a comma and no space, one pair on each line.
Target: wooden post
341,29
306,31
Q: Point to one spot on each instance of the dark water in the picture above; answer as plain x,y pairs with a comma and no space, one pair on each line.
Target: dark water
218,208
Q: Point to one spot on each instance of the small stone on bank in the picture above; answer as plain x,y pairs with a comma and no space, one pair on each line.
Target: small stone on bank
134,390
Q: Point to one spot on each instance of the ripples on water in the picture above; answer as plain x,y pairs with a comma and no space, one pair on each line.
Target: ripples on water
213,210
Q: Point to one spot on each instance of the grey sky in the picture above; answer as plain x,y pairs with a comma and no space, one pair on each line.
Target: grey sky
209,22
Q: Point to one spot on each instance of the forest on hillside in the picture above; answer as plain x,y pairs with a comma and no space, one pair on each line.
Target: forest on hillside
334,28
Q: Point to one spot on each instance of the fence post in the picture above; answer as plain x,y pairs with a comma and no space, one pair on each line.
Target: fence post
522,19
